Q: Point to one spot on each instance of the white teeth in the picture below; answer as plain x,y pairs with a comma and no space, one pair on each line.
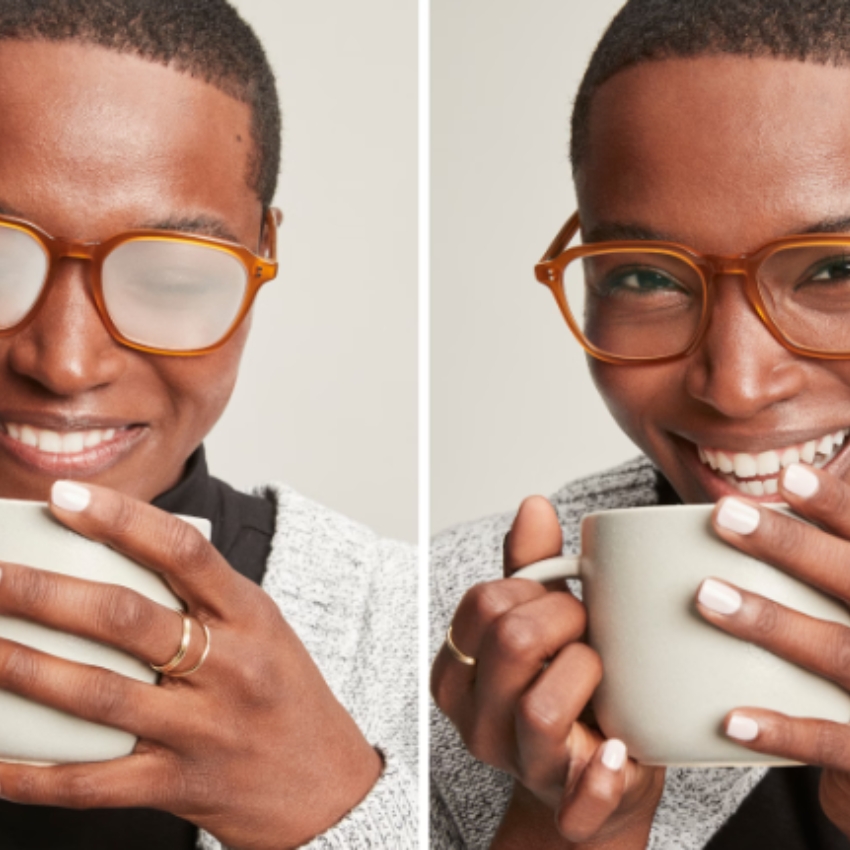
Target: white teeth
49,441
825,445
72,442
745,465
790,456
755,488
767,463
724,462
28,436
757,474
54,442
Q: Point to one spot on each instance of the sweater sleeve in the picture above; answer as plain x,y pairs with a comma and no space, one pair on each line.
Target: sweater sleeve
351,598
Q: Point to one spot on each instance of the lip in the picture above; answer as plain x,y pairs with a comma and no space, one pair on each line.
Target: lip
86,463
716,488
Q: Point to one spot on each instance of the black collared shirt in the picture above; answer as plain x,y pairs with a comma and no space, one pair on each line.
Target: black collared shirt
242,528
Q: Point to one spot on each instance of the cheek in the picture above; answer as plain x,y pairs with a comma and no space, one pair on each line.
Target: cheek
200,387
639,398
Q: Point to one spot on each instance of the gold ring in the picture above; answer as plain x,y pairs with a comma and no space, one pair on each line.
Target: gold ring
183,648
201,660
460,656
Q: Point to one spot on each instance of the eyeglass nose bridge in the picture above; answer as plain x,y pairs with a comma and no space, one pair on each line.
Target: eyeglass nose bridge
71,249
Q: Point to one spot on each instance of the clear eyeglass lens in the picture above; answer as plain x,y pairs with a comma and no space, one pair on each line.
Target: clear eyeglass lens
23,270
635,303
806,290
176,296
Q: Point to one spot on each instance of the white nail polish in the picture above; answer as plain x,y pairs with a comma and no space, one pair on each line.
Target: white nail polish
742,728
613,754
800,481
738,516
719,597
70,496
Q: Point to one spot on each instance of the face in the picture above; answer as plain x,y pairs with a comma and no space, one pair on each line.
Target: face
93,143
724,154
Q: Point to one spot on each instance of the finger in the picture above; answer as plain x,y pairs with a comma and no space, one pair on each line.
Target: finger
513,653
153,538
546,713
451,681
818,645
816,556
805,740
535,534
107,613
93,693
135,780
596,795
819,496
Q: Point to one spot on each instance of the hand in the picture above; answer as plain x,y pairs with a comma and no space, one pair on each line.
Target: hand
517,709
820,557
253,747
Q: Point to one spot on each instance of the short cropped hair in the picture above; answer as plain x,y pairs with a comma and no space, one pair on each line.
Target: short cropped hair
204,38
649,30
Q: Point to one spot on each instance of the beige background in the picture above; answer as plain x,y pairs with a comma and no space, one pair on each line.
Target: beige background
327,396
513,410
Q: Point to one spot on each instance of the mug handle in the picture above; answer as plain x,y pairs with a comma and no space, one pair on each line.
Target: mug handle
567,566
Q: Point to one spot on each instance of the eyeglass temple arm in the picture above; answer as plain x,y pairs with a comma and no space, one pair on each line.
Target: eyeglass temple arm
564,237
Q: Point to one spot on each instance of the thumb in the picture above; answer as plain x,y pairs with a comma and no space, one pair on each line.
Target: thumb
534,535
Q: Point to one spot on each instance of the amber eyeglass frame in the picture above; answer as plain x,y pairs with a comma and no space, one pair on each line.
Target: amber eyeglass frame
260,270
550,272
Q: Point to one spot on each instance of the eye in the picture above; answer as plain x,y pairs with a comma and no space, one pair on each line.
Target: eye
639,281
831,270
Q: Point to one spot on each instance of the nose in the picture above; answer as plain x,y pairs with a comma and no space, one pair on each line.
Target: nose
740,369
66,348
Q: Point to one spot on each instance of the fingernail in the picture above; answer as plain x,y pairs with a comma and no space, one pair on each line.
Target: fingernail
70,496
613,754
738,516
800,481
742,728
719,597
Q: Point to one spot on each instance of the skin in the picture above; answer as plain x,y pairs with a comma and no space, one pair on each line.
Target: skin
718,153
253,747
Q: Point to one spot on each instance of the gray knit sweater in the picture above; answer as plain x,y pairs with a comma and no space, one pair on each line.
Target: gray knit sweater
351,598
468,797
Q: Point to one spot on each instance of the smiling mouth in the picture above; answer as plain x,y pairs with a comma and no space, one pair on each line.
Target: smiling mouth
59,442
74,450
758,474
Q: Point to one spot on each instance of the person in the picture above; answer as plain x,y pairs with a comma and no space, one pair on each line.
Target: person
139,151
711,157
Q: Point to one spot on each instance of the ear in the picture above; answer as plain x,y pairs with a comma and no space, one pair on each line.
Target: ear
268,240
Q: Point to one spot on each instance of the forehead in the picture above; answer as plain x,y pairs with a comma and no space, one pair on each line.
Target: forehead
88,128
722,152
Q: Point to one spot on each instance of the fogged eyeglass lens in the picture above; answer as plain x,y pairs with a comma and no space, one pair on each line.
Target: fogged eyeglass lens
23,268
807,292
176,296
635,304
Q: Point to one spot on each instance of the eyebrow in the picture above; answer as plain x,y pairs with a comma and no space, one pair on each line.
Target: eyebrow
202,225
620,231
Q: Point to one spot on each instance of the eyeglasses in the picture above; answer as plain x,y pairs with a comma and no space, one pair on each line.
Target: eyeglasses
643,301
156,291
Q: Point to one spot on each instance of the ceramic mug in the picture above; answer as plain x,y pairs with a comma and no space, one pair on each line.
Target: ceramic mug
35,733
669,676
